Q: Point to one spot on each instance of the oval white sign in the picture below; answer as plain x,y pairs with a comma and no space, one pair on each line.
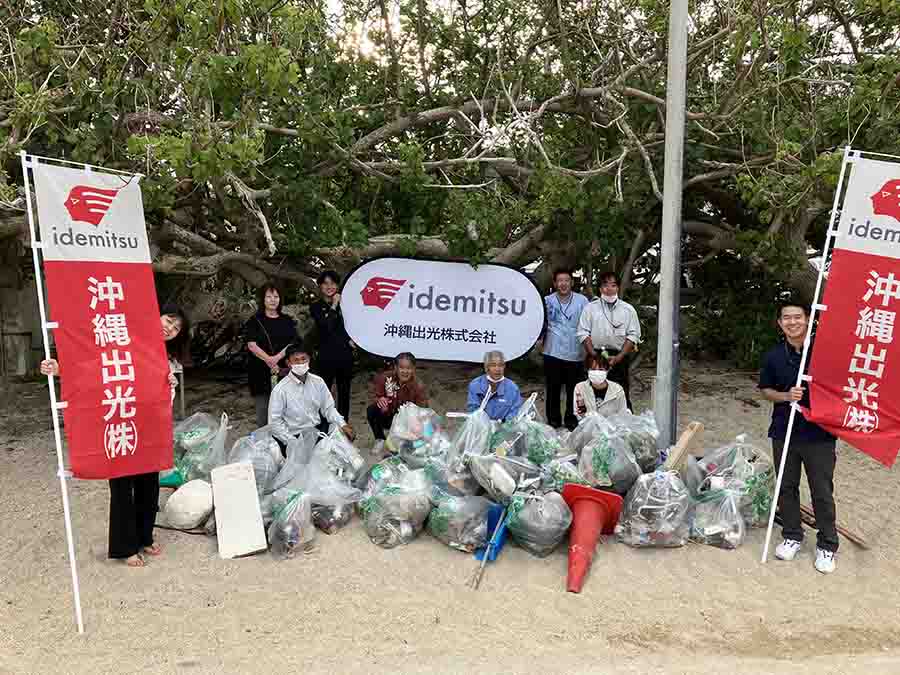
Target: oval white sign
443,311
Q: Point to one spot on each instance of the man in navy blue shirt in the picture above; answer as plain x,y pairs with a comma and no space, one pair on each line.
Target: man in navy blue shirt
811,447
505,398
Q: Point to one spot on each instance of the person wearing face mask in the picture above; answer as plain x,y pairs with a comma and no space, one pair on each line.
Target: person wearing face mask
391,389
134,500
598,394
267,334
812,448
609,324
562,350
300,400
505,398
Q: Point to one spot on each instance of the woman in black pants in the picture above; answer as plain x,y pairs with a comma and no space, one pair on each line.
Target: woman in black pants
335,359
134,500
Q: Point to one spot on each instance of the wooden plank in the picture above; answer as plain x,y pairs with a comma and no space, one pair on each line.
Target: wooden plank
679,452
239,524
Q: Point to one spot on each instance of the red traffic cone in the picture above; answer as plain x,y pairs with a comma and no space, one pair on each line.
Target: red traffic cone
593,512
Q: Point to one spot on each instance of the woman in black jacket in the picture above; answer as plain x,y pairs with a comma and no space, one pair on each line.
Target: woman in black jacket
335,358
267,333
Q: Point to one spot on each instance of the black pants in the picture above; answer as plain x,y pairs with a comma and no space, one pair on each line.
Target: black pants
379,421
133,503
342,374
621,374
818,458
559,373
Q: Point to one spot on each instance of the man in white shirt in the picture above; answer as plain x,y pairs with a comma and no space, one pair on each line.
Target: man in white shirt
611,325
300,400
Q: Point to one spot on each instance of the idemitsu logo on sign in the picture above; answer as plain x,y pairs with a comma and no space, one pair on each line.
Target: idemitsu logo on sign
441,310
89,204
379,291
886,202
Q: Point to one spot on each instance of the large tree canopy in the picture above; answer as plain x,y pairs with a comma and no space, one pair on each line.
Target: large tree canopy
279,137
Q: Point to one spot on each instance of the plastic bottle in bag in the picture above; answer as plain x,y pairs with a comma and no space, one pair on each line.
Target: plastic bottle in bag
656,512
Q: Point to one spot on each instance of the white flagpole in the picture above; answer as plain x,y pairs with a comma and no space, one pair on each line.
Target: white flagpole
55,406
806,343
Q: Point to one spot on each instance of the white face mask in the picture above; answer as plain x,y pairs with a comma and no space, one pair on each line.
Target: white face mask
611,299
300,369
597,377
499,379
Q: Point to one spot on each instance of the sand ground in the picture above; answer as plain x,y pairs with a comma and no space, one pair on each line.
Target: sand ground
352,607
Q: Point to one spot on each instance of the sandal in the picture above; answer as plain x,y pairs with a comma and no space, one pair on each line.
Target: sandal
153,550
135,561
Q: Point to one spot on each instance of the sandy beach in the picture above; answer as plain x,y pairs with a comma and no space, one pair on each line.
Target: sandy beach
352,607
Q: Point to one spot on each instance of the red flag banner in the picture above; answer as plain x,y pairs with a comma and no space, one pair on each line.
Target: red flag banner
855,371
100,290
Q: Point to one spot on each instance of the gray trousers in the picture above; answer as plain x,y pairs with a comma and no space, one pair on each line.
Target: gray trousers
818,458
262,409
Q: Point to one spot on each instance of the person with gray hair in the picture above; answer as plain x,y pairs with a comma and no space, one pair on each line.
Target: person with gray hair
505,398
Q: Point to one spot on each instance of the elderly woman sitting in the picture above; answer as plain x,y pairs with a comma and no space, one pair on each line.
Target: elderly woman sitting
597,393
505,399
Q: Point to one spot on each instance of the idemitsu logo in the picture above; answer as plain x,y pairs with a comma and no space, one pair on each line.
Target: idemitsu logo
886,202
89,204
379,291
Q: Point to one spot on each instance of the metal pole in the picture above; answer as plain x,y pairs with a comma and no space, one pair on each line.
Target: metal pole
55,406
666,403
806,342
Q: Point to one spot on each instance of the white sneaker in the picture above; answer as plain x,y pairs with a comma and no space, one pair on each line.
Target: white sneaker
824,561
787,550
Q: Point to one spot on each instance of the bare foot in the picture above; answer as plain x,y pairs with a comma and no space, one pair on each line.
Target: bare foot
153,549
135,561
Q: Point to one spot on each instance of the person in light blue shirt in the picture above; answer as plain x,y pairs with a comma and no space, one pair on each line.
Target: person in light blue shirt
505,399
562,350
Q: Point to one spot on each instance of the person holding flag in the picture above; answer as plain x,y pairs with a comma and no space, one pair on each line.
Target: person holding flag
811,447
134,500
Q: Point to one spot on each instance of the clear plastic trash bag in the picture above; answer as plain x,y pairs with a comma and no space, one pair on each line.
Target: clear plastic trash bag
560,471
460,522
538,523
291,530
255,450
743,467
196,431
589,428
385,472
640,434
656,512
473,438
717,519
450,478
200,458
501,477
397,512
607,462
417,434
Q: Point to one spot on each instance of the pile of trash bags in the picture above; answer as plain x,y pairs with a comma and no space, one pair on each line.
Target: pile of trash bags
714,501
732,488
450,486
